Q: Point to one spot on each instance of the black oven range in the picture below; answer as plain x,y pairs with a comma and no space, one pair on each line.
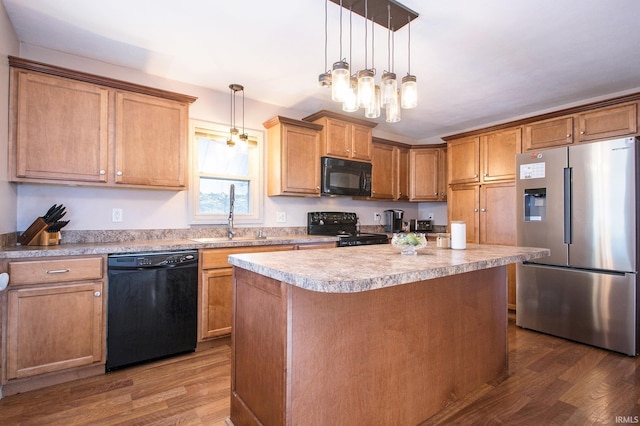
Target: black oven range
343,225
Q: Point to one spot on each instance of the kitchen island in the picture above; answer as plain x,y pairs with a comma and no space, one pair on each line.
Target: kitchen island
366,335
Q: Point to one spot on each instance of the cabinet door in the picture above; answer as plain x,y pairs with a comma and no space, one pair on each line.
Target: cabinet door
61,129
300,161
610,122
361,143
463,206
424,174
463,164
402,168
498,152
497,214
151,141
337,138
382,173
216,296
442,174
53,328
548,133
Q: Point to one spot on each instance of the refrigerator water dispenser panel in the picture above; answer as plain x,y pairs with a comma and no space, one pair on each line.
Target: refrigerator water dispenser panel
535,205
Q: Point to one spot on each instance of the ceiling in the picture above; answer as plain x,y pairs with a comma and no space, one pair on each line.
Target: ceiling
477,62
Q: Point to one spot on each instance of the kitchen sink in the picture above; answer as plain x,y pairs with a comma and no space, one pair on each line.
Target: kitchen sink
207,240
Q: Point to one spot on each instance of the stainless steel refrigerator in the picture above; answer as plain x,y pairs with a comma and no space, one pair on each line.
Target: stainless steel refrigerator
581,202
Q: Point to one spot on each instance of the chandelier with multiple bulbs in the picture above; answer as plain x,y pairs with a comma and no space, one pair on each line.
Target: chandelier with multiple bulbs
235,136
358,90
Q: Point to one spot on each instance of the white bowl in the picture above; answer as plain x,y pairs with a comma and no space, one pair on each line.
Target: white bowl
410,242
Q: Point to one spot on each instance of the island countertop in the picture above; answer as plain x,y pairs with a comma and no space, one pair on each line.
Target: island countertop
363,268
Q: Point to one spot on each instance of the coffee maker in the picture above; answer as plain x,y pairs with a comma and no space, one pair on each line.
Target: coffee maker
393,220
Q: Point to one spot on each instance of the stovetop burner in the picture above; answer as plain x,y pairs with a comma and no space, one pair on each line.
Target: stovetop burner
343,225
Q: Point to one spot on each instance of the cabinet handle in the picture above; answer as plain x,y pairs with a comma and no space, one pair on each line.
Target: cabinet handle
435,194
483,210
58,271
318,188
97,294
568,135
475,210
119,173
102,172
347,151
582,132
475,176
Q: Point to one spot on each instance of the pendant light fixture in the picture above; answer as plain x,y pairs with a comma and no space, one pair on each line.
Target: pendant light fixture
340,75
324,79
409,88
360,90
350,103
389,82
366,82
234,134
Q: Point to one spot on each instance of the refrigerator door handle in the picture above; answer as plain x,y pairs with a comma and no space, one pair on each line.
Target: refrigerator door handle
567,205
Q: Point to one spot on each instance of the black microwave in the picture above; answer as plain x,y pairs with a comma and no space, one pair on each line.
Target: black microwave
345,177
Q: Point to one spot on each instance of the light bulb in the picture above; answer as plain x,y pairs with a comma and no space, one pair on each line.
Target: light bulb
339,81
409,92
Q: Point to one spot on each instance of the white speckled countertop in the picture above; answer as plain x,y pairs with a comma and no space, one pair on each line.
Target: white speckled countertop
355,269
18,252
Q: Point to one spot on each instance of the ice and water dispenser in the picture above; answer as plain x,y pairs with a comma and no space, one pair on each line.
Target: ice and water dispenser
535,204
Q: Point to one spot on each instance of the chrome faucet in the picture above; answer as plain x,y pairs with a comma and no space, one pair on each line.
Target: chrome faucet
232,199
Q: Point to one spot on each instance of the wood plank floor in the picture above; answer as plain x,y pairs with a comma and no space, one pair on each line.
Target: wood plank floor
551,382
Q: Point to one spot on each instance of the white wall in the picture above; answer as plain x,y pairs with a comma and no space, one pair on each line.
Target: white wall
8,192
90,208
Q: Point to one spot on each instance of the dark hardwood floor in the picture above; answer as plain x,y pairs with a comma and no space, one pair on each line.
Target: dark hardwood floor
551,382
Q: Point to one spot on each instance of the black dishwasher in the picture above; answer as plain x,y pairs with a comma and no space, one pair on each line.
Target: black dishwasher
151,307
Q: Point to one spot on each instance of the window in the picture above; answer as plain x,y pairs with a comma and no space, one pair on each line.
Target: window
216,166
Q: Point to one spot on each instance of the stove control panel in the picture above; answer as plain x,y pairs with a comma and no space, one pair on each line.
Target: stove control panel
331,218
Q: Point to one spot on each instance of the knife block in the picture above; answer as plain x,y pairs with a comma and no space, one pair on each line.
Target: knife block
36,235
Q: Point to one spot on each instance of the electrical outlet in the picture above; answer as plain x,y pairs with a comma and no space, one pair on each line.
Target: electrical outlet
281,217
116,215
376,217
430,216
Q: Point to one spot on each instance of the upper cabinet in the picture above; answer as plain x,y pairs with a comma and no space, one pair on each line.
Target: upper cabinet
427,174
293,157
71,127
343,136
597,124
383,172
484,158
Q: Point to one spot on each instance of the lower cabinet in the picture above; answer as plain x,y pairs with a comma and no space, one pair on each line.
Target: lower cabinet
216,285
55,319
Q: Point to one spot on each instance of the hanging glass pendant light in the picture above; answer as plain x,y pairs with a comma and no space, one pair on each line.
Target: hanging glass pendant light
393,109
389,82
374,111
366,82
409,88
350,102
234,134
324,79
340,73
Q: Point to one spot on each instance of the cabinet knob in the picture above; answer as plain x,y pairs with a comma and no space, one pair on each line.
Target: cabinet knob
582,132
483,210
102,172
97,294
119,173
436,194
568,135
347,151
475,210
442,193
475,176
486,174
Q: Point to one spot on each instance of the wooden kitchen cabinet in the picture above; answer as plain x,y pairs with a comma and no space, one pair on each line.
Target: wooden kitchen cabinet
150,141
489,214
427,174
343,136
55,321
597,124
215,288
383,172
293,157
484,158
69,127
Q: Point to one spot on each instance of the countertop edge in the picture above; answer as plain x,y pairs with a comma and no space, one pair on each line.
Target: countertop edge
455,262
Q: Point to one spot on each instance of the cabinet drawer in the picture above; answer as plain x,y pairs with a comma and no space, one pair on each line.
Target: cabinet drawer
217,258
51,271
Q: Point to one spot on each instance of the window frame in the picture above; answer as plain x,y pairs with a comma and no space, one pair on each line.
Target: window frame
256,178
